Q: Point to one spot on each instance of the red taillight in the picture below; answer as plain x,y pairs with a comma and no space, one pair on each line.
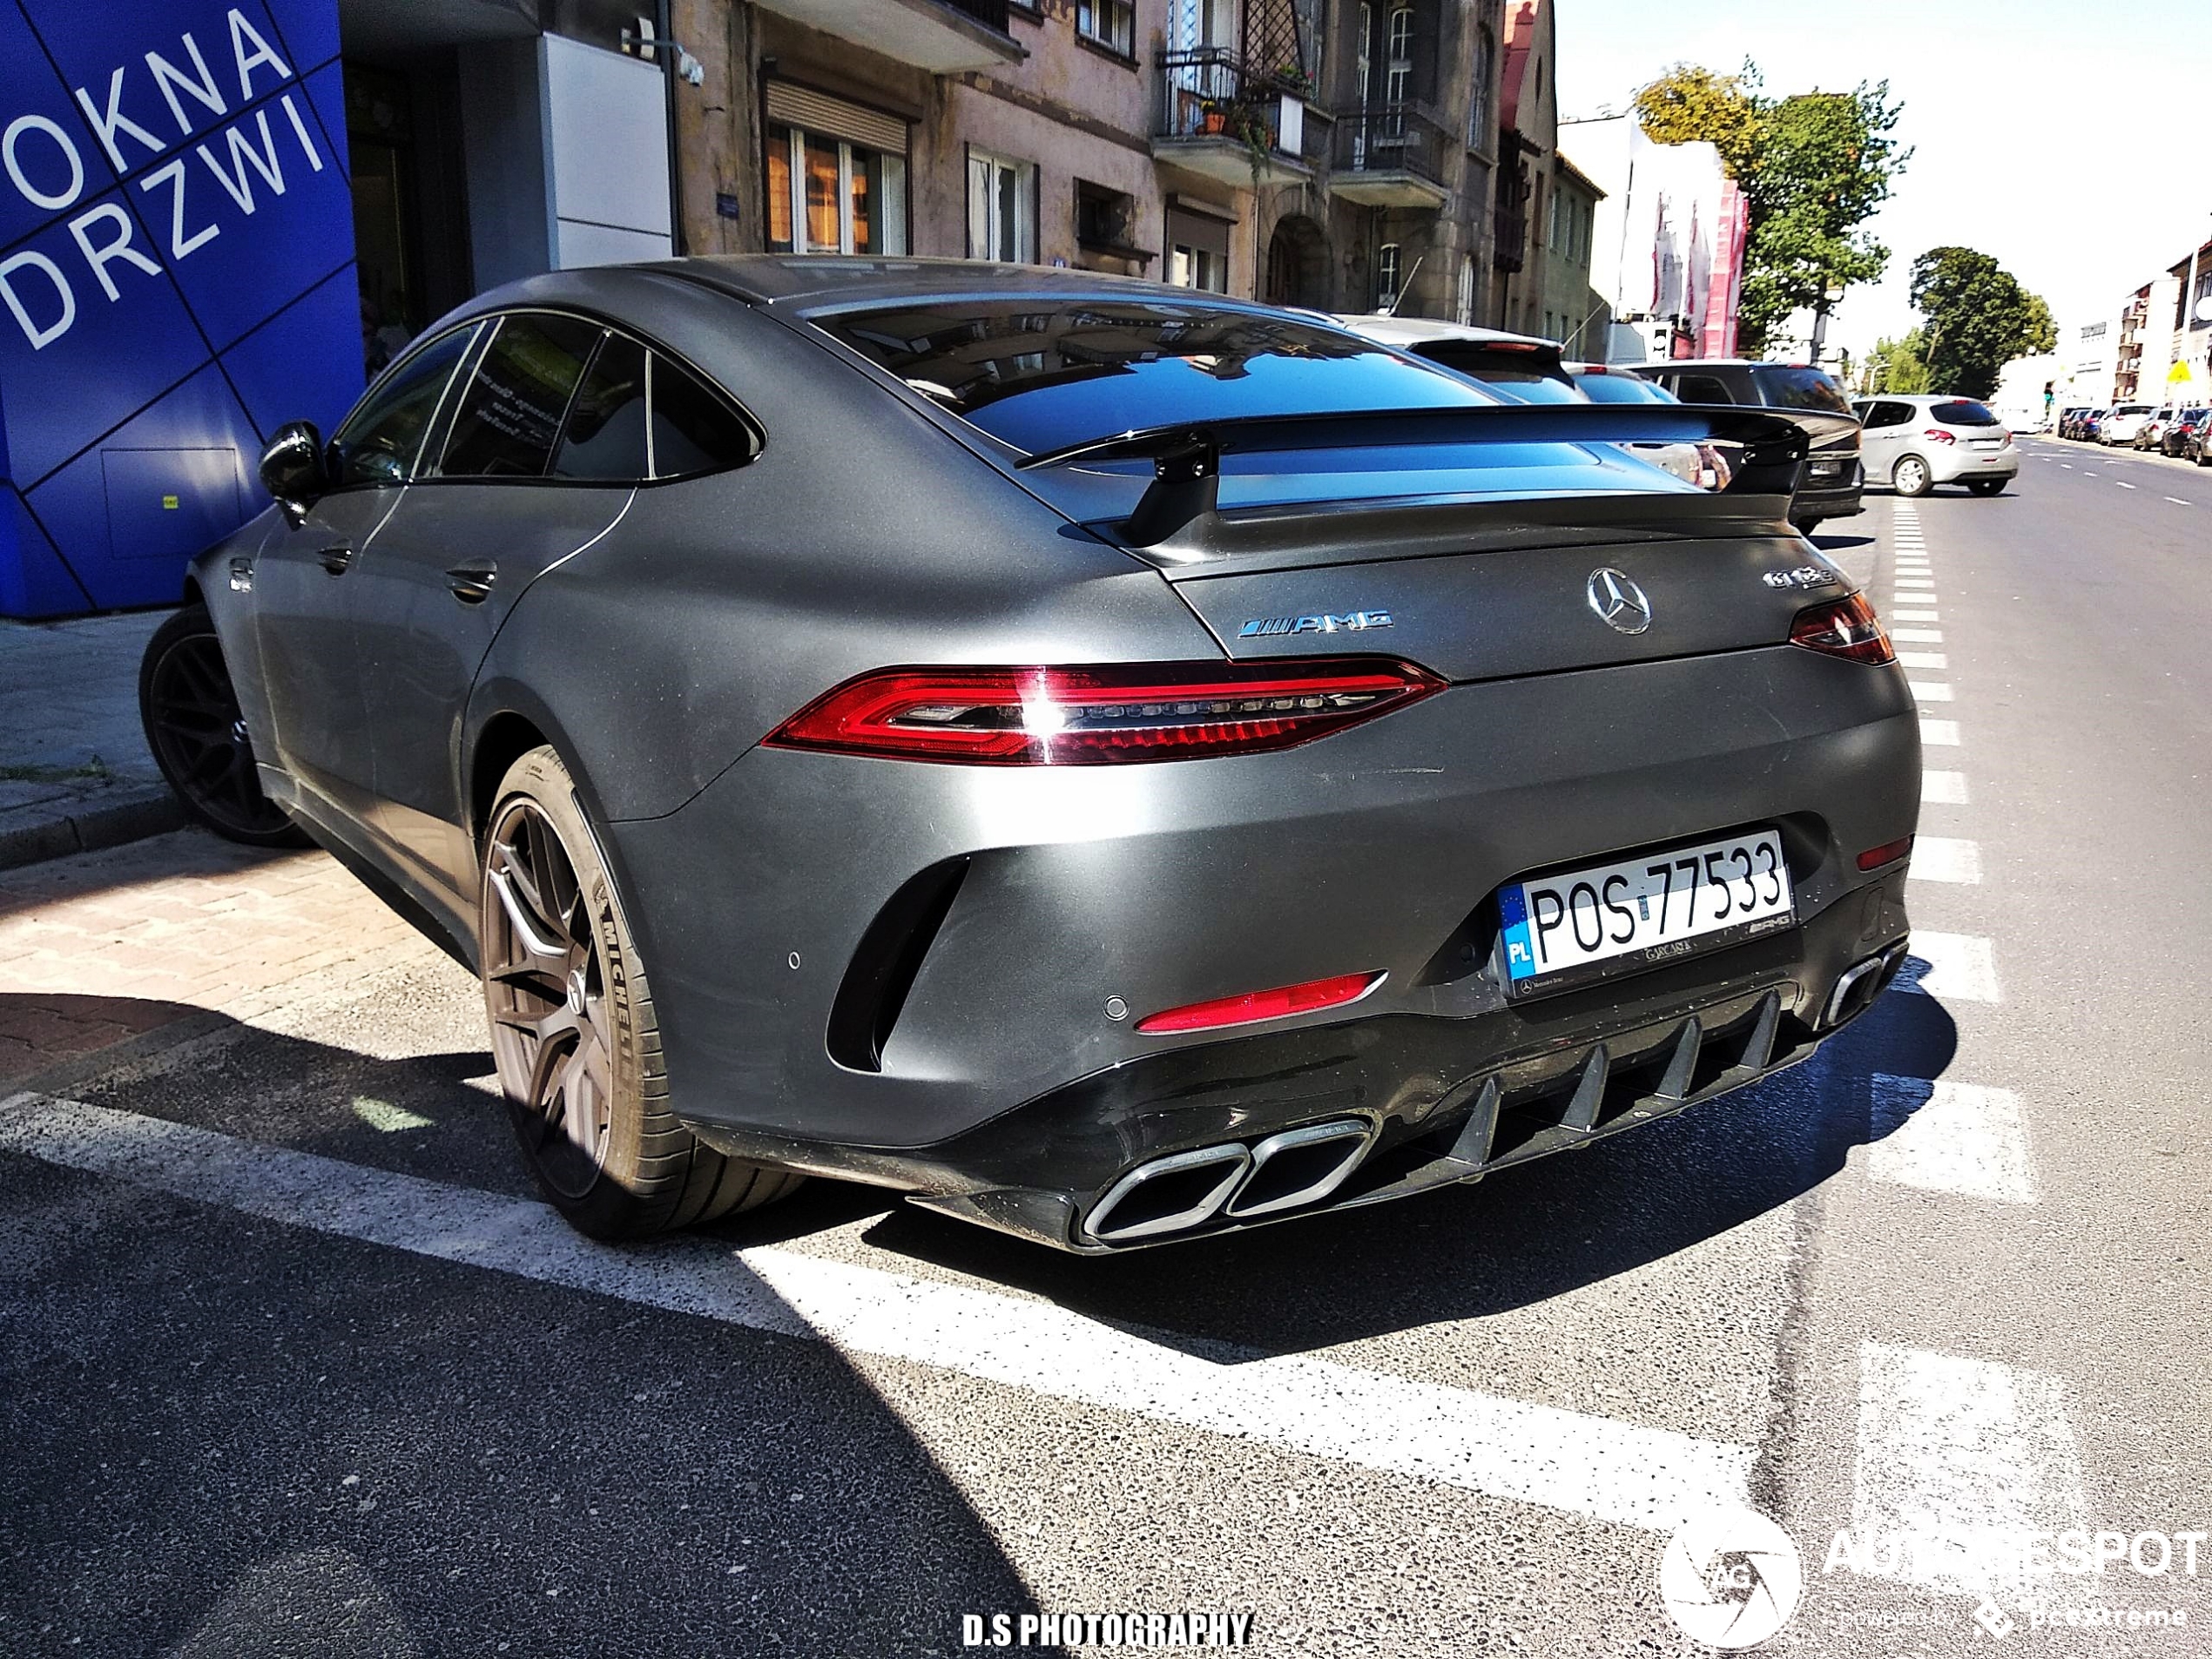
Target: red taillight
1087,717
1255,1006
1889,852
1941,435
1844,628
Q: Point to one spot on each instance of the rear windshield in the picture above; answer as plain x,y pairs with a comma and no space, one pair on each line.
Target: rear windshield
1962,411
1799,388
2132,408
1045,373
1622,389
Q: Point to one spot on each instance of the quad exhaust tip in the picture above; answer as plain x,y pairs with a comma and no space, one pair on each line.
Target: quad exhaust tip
1300,1166
1185,1189
1858,985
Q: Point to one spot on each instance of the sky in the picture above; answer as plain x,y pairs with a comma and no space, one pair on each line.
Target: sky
2033,125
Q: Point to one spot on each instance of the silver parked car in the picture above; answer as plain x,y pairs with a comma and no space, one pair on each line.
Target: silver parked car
1919,442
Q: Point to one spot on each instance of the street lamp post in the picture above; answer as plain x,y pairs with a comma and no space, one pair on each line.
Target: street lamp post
1820,319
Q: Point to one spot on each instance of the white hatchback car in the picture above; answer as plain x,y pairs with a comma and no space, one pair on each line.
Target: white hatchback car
1919,442
2124,423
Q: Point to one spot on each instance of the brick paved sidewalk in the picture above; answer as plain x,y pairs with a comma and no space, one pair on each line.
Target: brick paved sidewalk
105,946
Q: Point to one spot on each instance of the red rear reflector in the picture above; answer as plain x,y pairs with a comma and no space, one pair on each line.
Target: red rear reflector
1255,1006
1889,852
1844,628
1087,717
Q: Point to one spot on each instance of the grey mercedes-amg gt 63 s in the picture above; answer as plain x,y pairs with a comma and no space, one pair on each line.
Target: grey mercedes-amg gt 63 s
1112,763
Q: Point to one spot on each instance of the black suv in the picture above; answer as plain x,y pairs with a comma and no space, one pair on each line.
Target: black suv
1832,480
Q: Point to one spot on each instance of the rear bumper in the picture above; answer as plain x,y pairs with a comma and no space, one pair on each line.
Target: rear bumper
1823,499
908,973
1435,1101
1955,466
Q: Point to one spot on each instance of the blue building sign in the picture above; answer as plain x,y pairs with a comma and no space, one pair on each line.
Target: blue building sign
176,279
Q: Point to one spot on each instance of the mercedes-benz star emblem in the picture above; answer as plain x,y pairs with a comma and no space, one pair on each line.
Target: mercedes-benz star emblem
1619,602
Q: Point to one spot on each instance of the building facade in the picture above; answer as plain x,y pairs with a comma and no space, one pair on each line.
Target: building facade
1343,155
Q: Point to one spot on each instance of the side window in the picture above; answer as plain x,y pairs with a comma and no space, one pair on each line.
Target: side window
379,441
510,413
1702,388
605,435
694,427
1891,414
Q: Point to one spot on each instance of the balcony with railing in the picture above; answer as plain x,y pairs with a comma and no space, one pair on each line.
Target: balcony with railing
943,36
1392,155
1222,120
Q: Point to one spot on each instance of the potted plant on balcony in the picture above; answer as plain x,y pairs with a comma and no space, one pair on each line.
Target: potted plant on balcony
1214,118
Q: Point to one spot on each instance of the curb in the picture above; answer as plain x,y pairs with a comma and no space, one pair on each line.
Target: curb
148,810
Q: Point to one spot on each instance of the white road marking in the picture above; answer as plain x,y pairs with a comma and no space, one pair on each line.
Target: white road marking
1946,1137
1569,1461
1923,658
2177,501
1957,967
2123,483
1923,582
1952,1449
1947,857
1916,616
1944,788
1930,691
2069,465
1918,635
1939,734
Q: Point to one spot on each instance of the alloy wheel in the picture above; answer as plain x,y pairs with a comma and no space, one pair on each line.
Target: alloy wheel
1911,476
545,986
199,738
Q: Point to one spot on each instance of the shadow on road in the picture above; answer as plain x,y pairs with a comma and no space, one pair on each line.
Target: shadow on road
1516,1238
228,1436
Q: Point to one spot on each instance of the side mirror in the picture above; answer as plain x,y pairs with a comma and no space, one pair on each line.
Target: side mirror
293,468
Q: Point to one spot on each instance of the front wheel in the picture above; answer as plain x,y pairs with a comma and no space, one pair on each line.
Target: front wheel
190,710
574,1033
1912,477
1986,486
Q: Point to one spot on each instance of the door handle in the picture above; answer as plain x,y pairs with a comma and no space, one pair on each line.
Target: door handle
336,559
241,575
471,582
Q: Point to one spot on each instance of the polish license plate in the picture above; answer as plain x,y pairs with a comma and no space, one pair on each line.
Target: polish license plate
1567,929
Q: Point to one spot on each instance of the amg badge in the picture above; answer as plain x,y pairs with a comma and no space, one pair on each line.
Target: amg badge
1352,622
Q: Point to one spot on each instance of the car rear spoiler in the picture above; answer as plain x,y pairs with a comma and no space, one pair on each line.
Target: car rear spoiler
1186,457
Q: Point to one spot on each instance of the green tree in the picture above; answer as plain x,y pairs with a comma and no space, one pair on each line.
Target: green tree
1979,318
1813,168
1898,365
1691,104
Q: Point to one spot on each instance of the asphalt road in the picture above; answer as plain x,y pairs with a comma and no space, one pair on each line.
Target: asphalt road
291,1364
